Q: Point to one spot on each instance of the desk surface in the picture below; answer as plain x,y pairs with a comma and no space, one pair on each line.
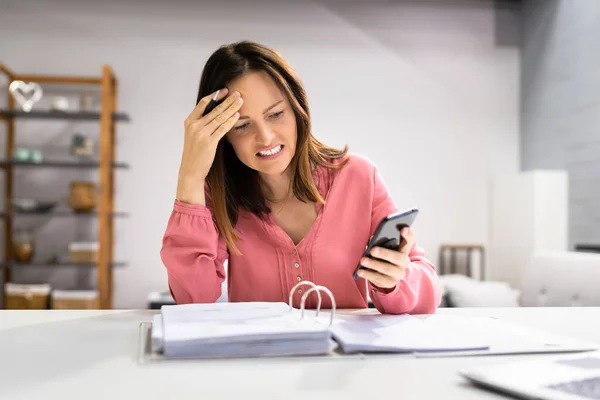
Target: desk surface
93,355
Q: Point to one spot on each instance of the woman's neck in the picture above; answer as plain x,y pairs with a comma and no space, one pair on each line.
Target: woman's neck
276,188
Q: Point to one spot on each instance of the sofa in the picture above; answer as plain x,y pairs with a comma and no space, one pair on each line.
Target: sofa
550,279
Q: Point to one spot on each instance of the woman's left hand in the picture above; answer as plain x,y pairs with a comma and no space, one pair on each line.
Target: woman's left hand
388,266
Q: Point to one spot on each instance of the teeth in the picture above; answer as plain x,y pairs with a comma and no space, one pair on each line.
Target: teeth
270,152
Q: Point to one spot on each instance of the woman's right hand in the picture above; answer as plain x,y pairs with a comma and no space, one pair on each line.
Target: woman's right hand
202,135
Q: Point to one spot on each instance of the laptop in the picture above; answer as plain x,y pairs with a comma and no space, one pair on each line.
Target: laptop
572,377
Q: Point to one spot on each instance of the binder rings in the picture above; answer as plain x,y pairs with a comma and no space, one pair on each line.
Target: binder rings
278,329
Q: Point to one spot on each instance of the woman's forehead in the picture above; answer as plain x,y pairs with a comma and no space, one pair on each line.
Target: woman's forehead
257,89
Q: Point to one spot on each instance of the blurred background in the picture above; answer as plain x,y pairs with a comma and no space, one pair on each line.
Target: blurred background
483,114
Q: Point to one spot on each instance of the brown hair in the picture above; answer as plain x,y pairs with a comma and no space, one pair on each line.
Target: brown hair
230,184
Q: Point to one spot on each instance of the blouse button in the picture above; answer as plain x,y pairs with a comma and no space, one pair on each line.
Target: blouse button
297,265
300,291
298,278
294,252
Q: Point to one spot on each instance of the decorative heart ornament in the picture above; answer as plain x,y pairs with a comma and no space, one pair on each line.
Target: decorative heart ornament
26,94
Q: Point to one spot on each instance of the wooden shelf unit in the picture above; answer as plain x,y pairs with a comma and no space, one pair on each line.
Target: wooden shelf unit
106,164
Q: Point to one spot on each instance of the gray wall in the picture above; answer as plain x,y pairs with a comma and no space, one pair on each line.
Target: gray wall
561,103
428,90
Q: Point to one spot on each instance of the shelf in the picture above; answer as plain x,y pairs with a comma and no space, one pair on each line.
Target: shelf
15,264
60,164
53,214
104,165
60,115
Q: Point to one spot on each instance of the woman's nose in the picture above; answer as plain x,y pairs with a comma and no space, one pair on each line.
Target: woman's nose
264,135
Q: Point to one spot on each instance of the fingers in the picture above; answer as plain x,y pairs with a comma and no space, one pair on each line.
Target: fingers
226,126
408,240
378,279
232,102
391,256
395,271
223,113
201,106
390,265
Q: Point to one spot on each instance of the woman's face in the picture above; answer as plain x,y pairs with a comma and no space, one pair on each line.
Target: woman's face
264,137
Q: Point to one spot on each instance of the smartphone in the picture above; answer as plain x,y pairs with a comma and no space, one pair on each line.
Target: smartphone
387,233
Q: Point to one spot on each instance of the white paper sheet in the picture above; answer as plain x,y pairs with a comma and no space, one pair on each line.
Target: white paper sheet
400,333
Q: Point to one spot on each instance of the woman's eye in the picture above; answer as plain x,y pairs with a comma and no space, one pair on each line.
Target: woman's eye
276,115
241,127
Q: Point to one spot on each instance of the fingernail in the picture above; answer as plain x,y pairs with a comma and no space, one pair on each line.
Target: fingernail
365,261
360,273
375,251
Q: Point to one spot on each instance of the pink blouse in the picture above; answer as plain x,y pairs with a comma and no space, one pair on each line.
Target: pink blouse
356,199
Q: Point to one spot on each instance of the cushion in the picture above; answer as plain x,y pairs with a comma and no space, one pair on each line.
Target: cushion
463,291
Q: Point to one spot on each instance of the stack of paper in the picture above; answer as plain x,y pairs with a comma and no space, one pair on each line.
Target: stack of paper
400,334
238,330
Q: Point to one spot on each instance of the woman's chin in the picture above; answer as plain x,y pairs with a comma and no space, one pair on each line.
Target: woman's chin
272,167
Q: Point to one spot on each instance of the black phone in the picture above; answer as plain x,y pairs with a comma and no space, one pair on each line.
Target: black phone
387,234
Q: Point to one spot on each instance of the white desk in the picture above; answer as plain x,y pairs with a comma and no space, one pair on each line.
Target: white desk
51,355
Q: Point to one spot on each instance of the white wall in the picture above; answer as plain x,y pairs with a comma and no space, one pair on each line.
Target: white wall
560,104
528,212
427,90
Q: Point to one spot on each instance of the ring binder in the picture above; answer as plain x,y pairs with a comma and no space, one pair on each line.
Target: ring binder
305,283
318,288
244,329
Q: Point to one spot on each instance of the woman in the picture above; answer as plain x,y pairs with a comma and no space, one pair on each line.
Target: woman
256,188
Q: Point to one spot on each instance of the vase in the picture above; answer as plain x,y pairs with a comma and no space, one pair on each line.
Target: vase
82,196
23,246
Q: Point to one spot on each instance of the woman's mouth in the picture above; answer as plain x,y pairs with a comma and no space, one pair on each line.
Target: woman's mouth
271,152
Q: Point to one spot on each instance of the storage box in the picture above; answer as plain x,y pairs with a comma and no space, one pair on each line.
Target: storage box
74,299
84,252
27,296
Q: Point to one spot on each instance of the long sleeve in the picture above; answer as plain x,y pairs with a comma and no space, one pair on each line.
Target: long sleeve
193,254
419,292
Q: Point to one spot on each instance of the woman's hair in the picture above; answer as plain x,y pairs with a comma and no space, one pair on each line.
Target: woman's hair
230,183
